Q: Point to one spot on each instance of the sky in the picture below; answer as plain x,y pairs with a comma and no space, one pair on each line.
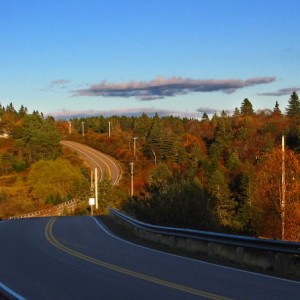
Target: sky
69,58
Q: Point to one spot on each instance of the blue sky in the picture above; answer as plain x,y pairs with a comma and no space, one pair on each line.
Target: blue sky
180,57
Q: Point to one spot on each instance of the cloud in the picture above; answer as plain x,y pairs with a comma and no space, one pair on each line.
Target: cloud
130,112
281,92
60,83
207,110
161,87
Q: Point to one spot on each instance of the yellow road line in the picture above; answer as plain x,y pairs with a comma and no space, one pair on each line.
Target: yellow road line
50,237
80,147
99,158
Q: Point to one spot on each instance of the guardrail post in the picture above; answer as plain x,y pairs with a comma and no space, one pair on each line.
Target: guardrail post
211,251
239,254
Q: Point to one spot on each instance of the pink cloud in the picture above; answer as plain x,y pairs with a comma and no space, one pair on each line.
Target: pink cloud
167,87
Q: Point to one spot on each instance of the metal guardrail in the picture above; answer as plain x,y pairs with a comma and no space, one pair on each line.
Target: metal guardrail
220,238
56,210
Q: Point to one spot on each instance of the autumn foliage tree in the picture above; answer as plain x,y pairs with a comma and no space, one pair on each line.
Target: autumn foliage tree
268,205
56,181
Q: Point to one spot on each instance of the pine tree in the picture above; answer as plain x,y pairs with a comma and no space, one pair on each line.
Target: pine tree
247,108
276,110
22,111
205,117
224,204
10,108
236,112
293,108
142,125
154,140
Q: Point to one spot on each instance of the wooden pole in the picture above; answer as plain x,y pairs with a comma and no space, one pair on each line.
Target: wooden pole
96,187
283,187
131,171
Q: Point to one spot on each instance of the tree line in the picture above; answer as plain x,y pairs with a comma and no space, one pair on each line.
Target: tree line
221,173
34,170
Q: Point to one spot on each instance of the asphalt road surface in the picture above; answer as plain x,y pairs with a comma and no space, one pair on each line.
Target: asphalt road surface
103,162
79,258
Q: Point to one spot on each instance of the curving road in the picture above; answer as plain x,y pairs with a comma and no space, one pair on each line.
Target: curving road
79,258
103,162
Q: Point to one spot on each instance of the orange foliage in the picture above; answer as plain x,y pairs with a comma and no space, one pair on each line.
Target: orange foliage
62,127
268,194
189,140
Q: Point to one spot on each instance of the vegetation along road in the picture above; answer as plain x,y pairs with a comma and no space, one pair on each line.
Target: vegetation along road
104,163
79,258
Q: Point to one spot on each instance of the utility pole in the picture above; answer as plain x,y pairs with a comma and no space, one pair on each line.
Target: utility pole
82,125
92,180
283,188
134,146
109,129
96,187
70,127
131,171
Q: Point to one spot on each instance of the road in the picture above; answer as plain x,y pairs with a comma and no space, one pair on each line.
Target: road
79,258
103,162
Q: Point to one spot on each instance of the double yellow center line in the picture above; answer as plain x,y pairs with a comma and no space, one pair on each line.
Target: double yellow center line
51,238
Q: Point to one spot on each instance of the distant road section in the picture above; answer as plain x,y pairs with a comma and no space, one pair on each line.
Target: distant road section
104,163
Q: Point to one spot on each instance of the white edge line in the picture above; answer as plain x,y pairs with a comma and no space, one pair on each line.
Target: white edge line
95,153
89,157
103,155
11,292
190,259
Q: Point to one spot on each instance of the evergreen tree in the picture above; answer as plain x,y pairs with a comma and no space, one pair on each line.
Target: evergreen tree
223,114
10,108
194,160
40,138
154,140
174,137
220,194
22,111
276,110
236,112
223,129
142,125
243,191
205,117
247,108
293,108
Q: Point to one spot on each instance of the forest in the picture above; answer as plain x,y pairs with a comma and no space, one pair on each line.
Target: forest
221,173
